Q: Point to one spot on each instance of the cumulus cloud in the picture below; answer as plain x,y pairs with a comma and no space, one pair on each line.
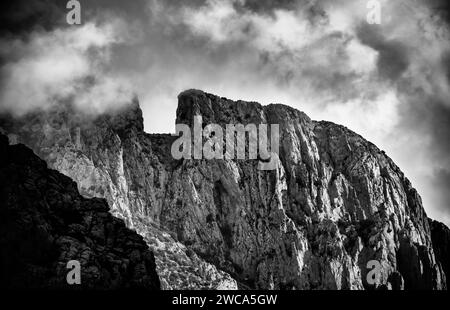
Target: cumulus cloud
46,67
296,46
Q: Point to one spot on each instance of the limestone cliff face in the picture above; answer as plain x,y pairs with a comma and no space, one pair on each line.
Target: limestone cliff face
45,223
334,203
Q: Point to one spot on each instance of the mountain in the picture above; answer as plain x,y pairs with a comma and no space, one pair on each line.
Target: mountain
111,157
440,236
46,223
334,205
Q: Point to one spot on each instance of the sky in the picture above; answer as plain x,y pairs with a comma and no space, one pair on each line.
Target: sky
388,82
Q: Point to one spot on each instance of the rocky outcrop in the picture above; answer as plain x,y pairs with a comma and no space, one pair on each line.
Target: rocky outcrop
111,157
334,203
46,223
440,235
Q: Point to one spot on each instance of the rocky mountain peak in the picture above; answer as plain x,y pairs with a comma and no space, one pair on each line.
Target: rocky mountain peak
334,205
220,110
126,118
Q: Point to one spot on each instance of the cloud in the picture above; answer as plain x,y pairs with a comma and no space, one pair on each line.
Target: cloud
69,63
19,17
441,183
296,48
392,55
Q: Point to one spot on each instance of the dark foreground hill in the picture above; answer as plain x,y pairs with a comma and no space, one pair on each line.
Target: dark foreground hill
45,223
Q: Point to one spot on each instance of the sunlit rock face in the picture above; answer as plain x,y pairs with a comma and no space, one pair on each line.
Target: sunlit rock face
334,203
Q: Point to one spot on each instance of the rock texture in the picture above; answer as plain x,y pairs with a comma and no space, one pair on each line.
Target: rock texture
45,223
334,203
111,157
440,235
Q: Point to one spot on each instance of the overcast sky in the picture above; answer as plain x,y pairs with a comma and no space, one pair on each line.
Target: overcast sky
388,82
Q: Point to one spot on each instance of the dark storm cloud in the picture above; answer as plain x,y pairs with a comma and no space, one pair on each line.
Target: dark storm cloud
393,55
267,6
441,184
19,17
427,116
440,7
44,60
446,64
440,120
312,8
